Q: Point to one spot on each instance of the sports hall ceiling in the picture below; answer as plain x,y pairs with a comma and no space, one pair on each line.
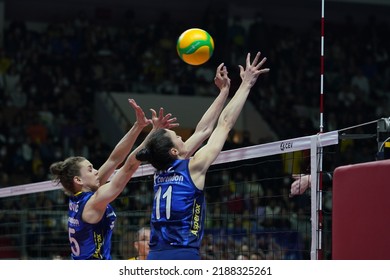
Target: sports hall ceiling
280,10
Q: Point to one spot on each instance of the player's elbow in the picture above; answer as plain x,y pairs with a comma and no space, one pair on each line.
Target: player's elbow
131,167
225,123
204,132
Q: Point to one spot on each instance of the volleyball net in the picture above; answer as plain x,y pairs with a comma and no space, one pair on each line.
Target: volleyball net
250,212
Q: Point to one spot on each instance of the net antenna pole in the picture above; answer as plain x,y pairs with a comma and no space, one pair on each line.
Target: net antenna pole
322,68
316,198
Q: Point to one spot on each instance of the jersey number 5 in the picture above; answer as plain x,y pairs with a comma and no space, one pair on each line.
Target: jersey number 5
74,246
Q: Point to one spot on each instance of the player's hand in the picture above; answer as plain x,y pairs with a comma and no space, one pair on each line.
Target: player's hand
252,69
162,121
142,121
301,183
222,79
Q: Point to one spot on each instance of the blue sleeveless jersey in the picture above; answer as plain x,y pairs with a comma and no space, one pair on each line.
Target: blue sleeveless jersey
178,210
89,241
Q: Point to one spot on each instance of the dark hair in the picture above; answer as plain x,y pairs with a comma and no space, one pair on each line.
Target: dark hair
156,150
64,171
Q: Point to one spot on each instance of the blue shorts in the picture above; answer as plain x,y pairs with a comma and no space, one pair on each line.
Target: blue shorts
175,254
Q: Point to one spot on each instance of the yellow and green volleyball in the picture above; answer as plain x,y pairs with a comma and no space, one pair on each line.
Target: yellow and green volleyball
195,46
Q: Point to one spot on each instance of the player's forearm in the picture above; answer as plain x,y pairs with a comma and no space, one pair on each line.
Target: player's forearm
233,109
210,117
125,145
131,158
131,164
206,125
119,153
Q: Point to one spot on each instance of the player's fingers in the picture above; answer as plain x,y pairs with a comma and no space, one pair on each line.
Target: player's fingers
241,69
220,67
248,60
154,113
256,59
161,113
133,103
167,117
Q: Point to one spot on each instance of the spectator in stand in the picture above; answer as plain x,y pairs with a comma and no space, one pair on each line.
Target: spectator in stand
141,243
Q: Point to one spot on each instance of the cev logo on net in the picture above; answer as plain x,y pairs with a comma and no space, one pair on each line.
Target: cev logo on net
286,145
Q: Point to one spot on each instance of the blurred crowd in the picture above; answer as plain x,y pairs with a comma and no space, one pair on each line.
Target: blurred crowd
50,77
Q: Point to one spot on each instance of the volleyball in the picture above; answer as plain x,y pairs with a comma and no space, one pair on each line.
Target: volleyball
195,46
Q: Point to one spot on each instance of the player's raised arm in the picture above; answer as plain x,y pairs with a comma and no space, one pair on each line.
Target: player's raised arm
124,146
206,124
207,154
109,191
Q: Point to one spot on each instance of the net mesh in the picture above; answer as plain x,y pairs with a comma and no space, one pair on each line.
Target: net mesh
250,213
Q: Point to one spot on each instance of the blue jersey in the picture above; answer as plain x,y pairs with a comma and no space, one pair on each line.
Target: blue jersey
89,241
178,210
